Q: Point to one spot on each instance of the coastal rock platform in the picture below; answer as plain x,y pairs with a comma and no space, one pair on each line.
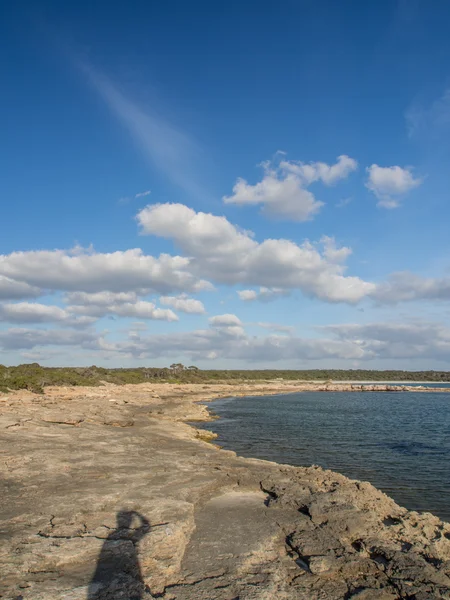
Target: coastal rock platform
108,493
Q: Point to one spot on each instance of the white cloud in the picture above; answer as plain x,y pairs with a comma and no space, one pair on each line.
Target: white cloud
139,309
40,356
86,309
122,304
276,327
390,183
396,340
21,338
183,304
264,294
126,199
27,312
34,312
404,286
280,196
247,295
226,320
228,324
16,290
142,310
222,252
319,171
332,253
142,194
89,271
227,341
282,191
100,298
138,326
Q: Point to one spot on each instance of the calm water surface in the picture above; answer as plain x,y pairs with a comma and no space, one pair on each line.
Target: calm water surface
398,441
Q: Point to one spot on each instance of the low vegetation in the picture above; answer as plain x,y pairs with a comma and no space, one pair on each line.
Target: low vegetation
34,377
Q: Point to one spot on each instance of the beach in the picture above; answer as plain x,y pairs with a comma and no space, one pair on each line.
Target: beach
108,492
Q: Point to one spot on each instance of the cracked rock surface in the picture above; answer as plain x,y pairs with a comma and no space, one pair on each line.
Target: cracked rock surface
106,493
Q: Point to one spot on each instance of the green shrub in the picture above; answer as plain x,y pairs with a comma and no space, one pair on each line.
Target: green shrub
34,377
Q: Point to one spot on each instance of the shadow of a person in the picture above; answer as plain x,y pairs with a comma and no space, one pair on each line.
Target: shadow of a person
118,574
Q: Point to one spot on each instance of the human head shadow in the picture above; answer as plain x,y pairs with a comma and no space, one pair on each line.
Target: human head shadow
118,573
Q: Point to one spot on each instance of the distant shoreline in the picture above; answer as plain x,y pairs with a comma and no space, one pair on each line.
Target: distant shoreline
355,386
35,377
382,382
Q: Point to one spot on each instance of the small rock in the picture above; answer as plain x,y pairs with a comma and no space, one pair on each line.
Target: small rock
62,420
118,400
370,594
322,564
119,422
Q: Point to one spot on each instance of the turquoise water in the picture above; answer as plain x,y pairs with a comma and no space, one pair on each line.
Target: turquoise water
398,441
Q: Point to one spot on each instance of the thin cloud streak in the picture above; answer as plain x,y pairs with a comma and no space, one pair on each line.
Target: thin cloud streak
127,199
168,149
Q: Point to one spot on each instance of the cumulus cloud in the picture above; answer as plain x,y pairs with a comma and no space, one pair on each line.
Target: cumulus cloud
140,309
248,295
27,312
276,327
100,298
319,171
89,271
41,355
404,287
121,304
226,339
331,251
34,312
228,324
390,183
280,195
22,338
184,304
16,290
396,340
138,326
226,254
264,294
226,320
283,188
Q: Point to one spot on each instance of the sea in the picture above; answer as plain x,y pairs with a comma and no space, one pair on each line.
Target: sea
399,441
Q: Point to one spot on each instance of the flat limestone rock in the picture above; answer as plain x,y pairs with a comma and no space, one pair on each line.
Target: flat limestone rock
62,419
227,531
107,493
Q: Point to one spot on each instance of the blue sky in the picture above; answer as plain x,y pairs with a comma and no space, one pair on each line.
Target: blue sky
233,185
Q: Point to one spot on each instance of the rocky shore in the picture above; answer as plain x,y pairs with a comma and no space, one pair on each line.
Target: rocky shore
107,493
